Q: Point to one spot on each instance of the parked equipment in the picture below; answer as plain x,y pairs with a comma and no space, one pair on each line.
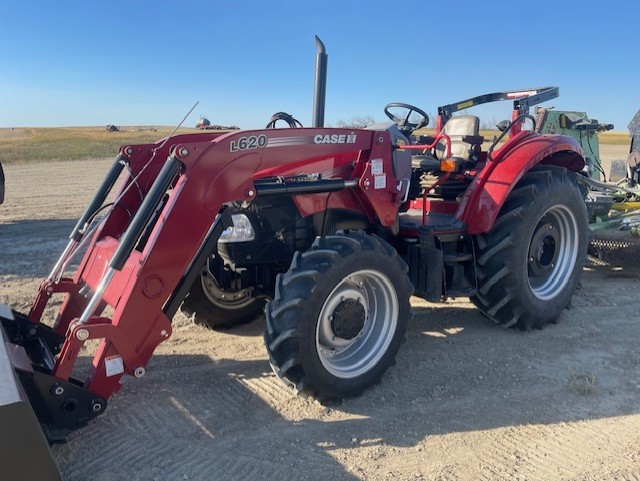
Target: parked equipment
585,130
613,206
334,228
579,126
205,124
633,159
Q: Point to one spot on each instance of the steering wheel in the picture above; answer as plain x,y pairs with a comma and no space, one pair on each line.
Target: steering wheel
403,123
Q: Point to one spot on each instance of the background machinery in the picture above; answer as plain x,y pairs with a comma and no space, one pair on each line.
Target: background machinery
613,201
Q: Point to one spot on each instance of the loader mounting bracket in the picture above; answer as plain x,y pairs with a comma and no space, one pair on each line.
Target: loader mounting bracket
61,406
32,336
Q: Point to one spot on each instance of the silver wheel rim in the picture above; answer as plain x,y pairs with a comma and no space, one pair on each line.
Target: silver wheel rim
350,358
553,252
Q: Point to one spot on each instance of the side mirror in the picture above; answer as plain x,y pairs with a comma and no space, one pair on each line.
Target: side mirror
502,126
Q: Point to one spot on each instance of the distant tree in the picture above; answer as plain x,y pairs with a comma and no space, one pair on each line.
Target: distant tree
432,121
488,124
358,122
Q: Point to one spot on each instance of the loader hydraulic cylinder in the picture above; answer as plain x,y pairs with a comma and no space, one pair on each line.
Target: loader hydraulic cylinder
130,238
98,199
301,188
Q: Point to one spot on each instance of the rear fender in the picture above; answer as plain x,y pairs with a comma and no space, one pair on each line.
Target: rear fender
487,193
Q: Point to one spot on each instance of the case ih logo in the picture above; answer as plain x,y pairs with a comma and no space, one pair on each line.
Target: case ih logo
335,139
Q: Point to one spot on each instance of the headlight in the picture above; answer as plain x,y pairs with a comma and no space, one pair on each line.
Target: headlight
242,230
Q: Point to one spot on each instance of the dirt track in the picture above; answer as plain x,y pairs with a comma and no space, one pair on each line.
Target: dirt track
466,400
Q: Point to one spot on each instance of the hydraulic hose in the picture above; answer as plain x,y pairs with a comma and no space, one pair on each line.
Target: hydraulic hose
292,122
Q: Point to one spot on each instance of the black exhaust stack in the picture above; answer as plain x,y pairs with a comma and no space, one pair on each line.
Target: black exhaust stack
320,88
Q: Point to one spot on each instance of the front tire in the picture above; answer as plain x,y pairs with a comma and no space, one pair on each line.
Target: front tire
529,264
339,315
210,306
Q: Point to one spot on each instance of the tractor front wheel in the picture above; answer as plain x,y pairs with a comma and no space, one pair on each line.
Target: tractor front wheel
339,315
210,306
529,264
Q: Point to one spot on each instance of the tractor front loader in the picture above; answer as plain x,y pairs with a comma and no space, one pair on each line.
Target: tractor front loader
333,228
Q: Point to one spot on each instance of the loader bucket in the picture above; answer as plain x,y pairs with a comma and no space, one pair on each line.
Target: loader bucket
24,450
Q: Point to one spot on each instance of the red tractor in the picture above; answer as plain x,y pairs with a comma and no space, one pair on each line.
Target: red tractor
334,229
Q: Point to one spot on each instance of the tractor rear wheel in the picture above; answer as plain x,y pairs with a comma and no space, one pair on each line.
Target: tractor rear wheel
529,263
339,315
215,308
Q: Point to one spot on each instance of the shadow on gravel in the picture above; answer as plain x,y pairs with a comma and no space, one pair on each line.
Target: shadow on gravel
31,247
195,418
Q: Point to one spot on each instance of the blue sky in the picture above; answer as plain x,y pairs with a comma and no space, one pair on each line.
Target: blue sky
141,62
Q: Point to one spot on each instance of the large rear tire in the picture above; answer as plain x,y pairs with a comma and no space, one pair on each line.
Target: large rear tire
339,315
212,307
529,264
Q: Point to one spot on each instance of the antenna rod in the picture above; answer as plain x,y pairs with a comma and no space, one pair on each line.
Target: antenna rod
175,130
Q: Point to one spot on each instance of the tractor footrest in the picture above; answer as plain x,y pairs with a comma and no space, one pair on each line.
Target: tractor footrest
461,292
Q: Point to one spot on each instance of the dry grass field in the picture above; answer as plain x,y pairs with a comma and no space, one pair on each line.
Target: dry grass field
70,143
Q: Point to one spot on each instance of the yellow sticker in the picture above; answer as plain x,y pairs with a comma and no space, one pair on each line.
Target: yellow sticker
464,105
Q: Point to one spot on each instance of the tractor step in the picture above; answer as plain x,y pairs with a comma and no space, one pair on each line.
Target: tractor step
24,448
445,226
435,270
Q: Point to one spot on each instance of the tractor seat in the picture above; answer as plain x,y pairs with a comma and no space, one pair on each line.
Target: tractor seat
464,132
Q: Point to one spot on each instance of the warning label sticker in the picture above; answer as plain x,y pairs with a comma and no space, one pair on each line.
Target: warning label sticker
376,167
113,366
380,181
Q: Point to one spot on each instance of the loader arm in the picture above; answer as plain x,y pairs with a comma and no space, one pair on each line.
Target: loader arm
154,240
